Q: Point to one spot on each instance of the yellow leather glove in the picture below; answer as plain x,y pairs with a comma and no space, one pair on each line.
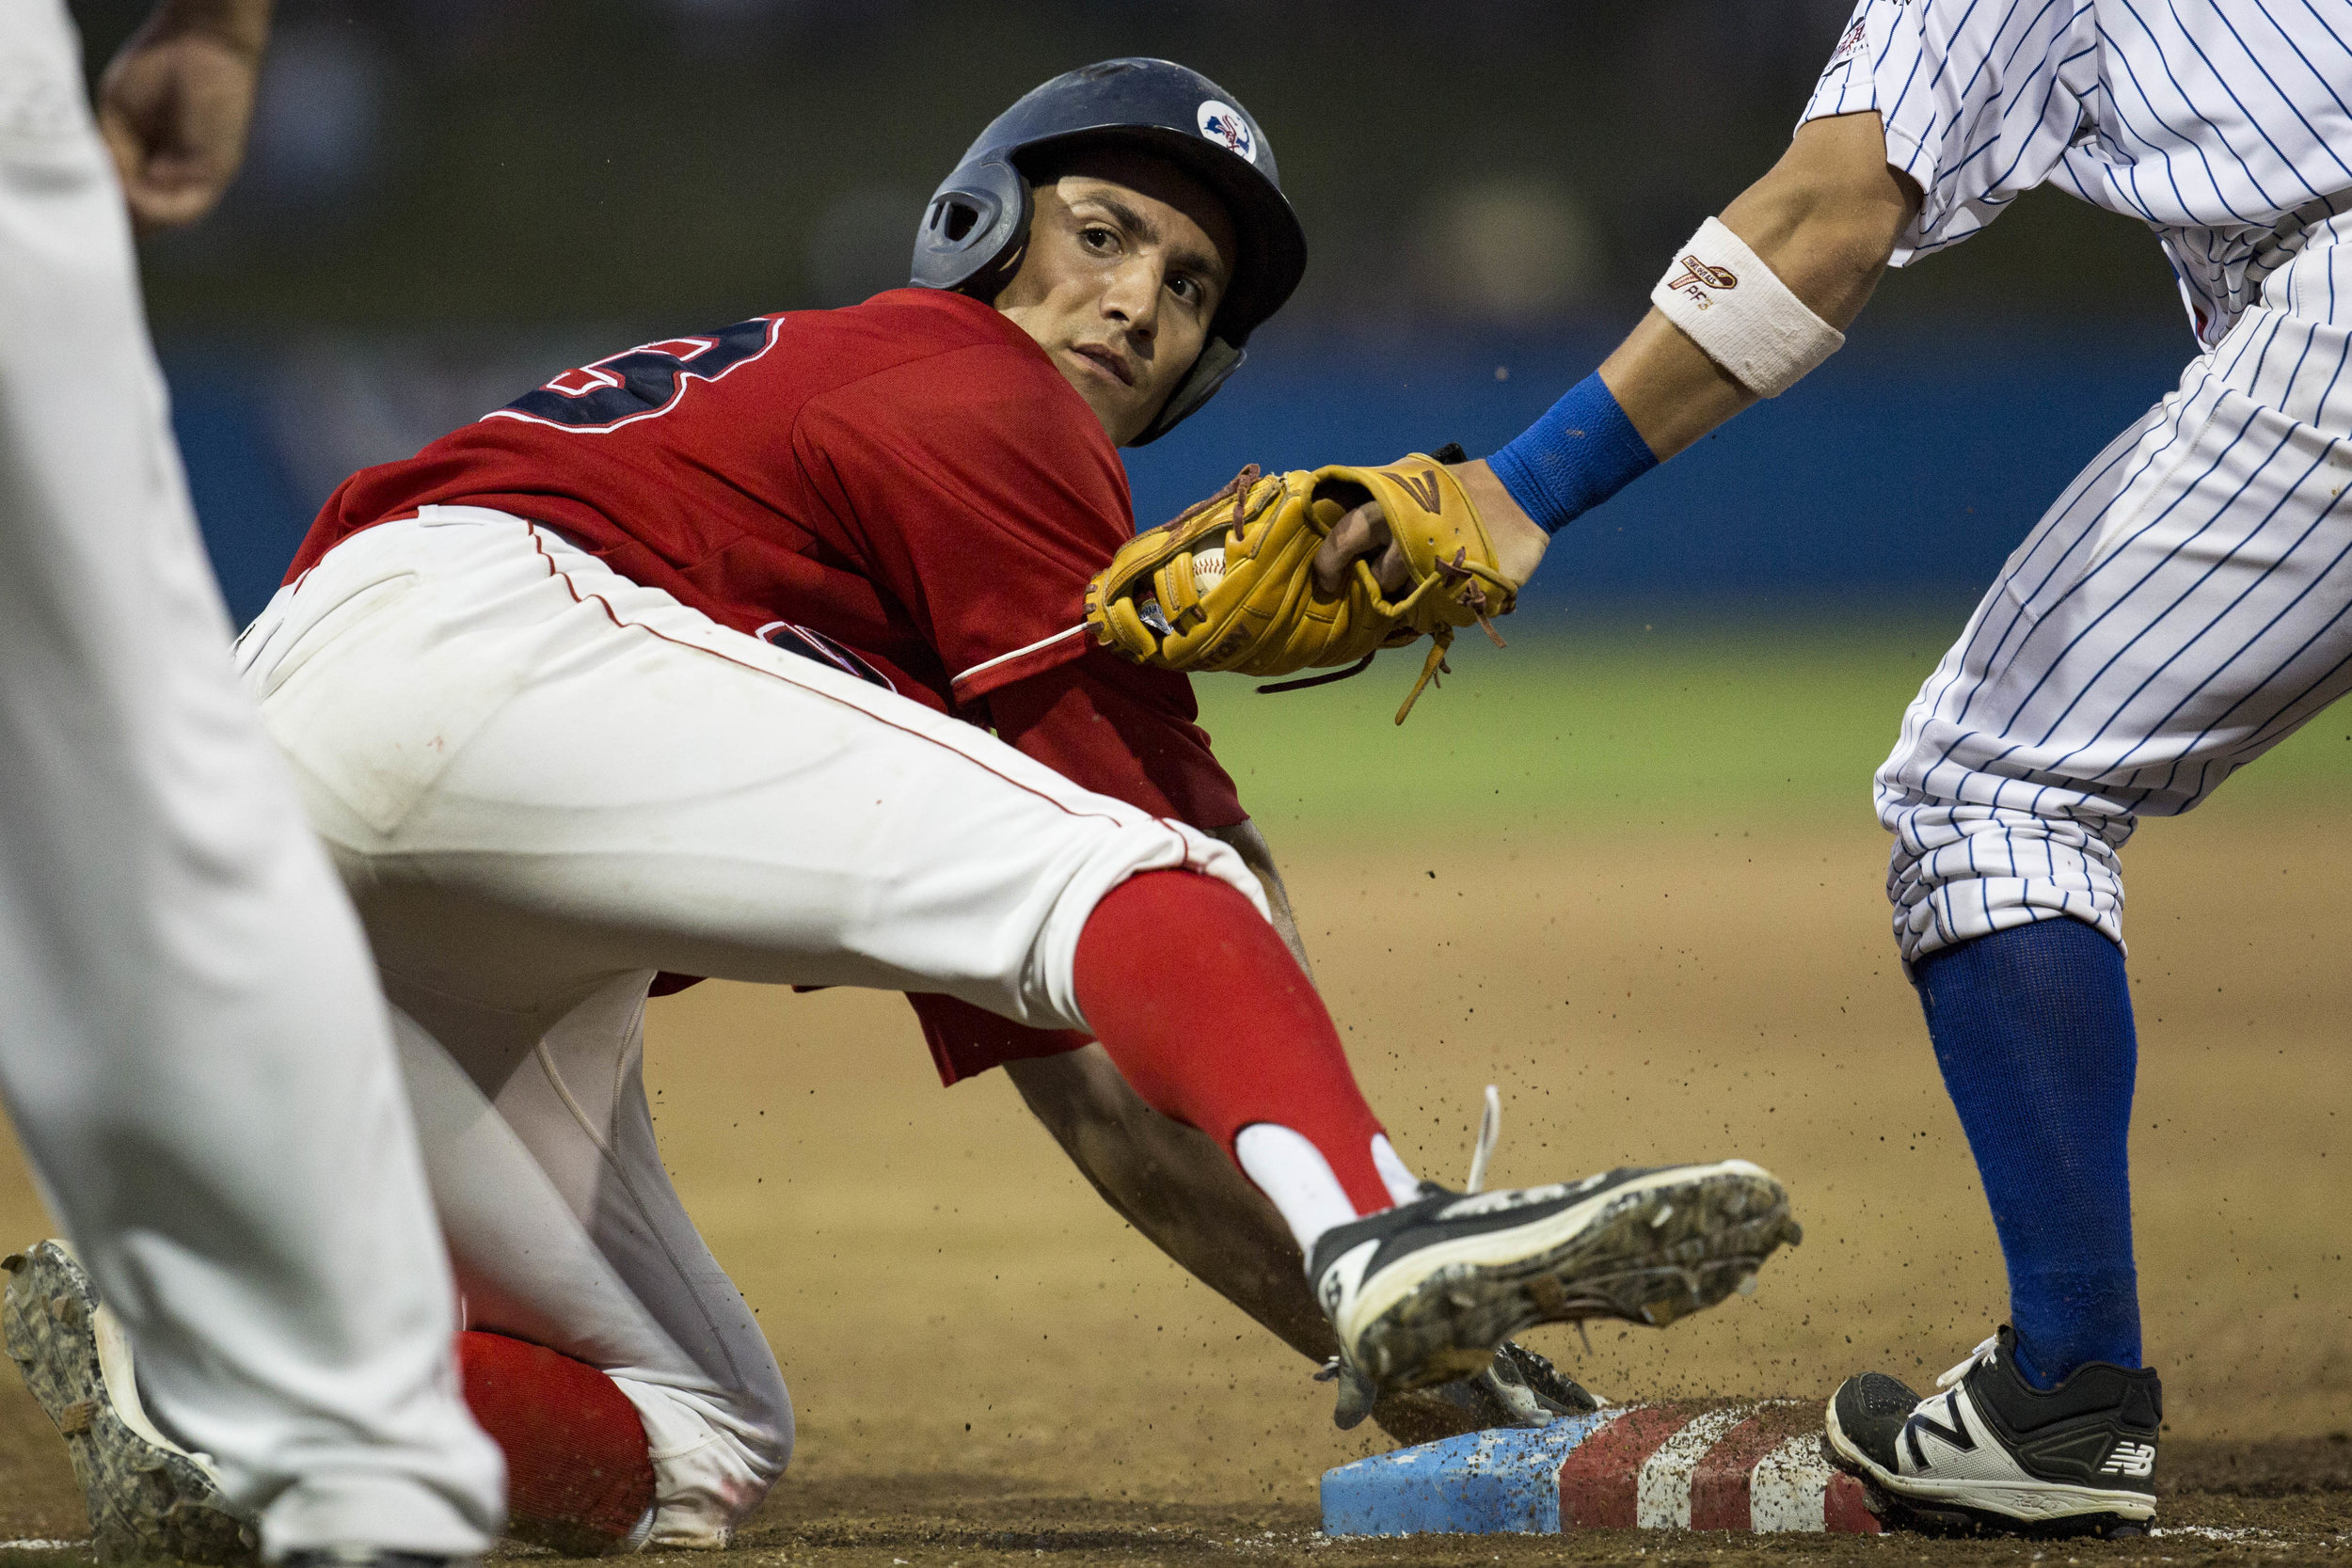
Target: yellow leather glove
1229,584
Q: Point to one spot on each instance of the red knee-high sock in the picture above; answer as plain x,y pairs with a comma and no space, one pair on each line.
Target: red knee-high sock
1213,1023
579,1471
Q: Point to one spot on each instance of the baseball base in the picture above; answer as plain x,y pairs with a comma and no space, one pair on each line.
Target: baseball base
1725,1465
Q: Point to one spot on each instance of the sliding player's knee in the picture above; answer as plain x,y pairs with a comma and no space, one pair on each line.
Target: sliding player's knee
598,1462
1045,982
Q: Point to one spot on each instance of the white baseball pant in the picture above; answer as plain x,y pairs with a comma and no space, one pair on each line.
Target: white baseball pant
191,1045
544,783
2180,610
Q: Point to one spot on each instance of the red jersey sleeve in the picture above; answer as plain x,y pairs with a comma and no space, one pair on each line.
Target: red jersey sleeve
979,488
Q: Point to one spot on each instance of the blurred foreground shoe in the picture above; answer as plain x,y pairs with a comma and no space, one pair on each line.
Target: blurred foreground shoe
1424,1292
148,1496
1995,1452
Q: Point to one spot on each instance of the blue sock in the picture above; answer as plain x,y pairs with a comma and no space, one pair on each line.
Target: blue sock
1583,452
2033,1030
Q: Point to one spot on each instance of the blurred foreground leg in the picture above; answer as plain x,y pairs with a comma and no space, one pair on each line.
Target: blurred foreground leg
191,1043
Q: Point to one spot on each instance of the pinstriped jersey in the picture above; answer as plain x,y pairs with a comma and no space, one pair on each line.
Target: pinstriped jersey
2226,125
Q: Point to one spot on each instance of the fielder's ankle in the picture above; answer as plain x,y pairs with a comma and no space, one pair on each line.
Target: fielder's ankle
2033,1032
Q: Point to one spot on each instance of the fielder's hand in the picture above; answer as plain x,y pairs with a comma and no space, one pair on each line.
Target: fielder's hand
1520,1389
1231,584
1363,535
175,104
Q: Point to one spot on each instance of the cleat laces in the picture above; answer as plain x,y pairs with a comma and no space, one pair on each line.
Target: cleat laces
1982,1352
1356,1392
1489,1134
1482,1154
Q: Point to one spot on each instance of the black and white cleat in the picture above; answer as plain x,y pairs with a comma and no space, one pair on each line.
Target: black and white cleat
1991,1452
1424,1292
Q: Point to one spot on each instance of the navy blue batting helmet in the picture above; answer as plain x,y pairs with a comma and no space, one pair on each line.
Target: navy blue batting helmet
972,233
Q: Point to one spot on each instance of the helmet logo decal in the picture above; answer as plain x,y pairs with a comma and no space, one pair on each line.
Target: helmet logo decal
1222,123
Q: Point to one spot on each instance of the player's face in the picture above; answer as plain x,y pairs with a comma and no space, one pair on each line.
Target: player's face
1127,260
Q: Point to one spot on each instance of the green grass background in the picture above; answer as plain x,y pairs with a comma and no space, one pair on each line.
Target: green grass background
1619,729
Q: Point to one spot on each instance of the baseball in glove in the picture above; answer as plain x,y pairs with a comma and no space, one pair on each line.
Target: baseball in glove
1229,584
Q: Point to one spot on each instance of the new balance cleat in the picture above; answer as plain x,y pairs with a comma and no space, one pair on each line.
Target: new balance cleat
1424,1292
1993,1451
148,1496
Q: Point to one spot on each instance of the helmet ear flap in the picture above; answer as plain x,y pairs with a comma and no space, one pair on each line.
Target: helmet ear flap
1219,359
972,234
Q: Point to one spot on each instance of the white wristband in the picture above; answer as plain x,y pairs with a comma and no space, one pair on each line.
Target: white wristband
1723,295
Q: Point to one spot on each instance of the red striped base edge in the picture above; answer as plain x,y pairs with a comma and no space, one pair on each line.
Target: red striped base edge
1750,1466
1756,1465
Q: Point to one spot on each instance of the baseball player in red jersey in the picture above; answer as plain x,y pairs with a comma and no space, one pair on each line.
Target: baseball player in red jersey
684,664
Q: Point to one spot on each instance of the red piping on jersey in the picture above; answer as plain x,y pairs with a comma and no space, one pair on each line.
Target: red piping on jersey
605,603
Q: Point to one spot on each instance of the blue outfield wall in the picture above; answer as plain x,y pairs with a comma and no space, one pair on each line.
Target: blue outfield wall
1903,471
1906,469
253,512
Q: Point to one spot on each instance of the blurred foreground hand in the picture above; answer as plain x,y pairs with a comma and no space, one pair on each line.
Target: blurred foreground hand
175,104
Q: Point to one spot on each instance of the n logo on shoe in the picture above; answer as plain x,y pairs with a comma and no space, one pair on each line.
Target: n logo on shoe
2137,1460
1957,1435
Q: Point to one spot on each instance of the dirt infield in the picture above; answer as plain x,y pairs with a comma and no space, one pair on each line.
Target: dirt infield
988,1364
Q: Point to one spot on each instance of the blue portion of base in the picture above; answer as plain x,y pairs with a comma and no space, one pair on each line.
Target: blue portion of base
1479,1483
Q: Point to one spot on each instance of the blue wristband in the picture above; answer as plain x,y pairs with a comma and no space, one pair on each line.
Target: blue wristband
1583,452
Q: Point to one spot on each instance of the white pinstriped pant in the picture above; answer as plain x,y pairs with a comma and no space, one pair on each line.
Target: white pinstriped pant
2185,605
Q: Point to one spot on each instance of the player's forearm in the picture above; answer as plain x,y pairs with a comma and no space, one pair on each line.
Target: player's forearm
1181,1192
1820,227
1825,219
1178,1188
1827,216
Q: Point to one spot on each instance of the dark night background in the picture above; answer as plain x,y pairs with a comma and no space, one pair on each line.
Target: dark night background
450,199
